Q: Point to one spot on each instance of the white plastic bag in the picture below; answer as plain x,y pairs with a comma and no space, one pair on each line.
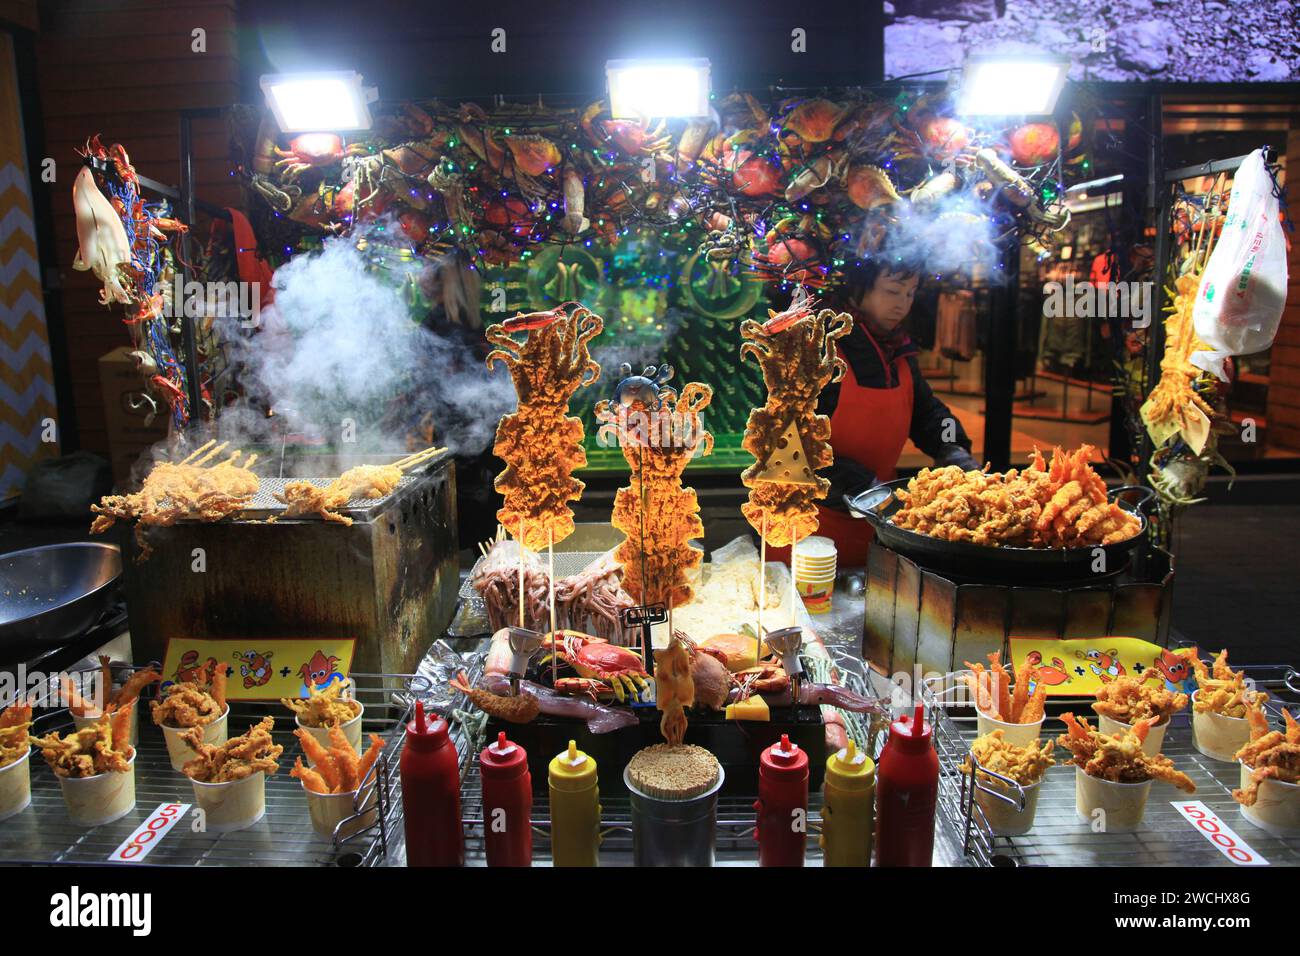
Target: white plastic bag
1242,292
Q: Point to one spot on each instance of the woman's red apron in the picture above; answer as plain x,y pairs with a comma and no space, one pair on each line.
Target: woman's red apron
870,426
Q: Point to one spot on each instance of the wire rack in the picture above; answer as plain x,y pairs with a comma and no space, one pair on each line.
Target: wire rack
43,834
734,839
1059,837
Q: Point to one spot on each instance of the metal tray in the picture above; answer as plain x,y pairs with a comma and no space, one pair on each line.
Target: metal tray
42,834
1059,837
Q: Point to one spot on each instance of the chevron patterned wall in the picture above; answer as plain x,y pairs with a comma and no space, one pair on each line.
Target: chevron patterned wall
26,379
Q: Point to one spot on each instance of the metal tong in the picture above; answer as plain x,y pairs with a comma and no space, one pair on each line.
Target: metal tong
523,644
786,643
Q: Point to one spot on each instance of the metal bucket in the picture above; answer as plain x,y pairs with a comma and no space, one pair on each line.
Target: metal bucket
673,832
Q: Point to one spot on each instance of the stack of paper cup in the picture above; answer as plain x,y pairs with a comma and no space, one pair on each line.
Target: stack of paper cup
814,572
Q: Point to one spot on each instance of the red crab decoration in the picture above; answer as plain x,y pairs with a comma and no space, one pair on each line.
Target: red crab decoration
595,659
814,121
510,215
943,137
793,260
752,175
1035,143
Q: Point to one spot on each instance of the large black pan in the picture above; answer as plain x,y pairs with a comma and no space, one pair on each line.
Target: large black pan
50,595
878,505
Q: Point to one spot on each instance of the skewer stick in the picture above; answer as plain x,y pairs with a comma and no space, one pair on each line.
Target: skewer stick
762,586
208,456
188,459
550,553
521,572
794,591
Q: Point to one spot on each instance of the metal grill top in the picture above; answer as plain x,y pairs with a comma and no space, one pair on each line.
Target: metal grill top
264,504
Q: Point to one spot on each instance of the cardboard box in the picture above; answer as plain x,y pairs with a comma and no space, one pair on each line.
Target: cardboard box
128,435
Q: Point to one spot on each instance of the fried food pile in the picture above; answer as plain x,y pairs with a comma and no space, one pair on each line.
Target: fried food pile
787,437
130,690
1063,506
338,767
1119,758
195,703
101,747
540,443
1175,405
1128,700
1270,755
658,517
362,481
674,688
324,708
991,690
15,721
191,489
239,757
1223,691
1025,765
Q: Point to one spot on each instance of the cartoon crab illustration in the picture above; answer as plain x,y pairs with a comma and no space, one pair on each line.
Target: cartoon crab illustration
646,388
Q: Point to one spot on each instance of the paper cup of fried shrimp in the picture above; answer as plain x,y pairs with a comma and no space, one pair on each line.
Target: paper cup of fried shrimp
1008,779
1217,735
1017,712
1274,806
103,798
1155,735
231,804
16,785
179,752
1001,805
90,716
1109,806
229,778
338,791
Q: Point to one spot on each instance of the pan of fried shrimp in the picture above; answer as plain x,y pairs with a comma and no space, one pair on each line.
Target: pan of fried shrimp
1047,520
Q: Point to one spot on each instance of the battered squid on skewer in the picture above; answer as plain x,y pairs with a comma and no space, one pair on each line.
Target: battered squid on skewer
191,489
361,481
788,439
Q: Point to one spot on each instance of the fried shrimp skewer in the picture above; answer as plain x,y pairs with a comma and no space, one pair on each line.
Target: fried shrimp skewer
361,481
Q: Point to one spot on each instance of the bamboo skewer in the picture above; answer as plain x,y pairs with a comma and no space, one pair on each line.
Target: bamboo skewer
762,586
550,552
521,573
794,591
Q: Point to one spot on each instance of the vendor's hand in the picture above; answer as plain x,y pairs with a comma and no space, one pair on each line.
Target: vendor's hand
956,455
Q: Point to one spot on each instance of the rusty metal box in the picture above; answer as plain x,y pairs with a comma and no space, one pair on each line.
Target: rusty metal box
389,580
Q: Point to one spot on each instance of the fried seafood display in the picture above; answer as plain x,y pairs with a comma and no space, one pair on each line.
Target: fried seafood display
1129,700
1119,758
237,758
107,701
1176,405
518,708
1270,754
15,722
324,708
189,490
1223,691
540,443
991,690
1025,765
674,688
591,600
339,768
195,703
1061,506
359,482
100,747
788,439
658,517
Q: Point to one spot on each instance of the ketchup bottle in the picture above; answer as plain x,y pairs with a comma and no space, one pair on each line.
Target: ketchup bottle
907,789
507,803
782,804
431,794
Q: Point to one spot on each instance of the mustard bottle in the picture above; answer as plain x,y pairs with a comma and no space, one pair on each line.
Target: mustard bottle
848,811
575,809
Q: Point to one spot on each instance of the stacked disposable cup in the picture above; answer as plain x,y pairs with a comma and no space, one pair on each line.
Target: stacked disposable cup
814,572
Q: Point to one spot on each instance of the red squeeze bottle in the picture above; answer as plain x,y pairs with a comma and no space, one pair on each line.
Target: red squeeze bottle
782,804
431,794
907,789
507,803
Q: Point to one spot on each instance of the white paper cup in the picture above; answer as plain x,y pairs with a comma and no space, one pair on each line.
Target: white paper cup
351,730
328,810
103,798
232,805
1277,807
1018,735
16,786
1155,736
1123,803
179,751
93,717
1007,819
1217,736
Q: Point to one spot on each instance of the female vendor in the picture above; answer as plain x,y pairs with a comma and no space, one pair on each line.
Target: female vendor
881,402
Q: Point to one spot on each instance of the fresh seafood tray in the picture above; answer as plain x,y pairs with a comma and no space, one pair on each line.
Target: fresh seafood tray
1059,837
43,834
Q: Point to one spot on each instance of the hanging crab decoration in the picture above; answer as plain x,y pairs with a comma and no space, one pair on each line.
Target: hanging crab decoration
634,138
1035,143
620,669
646,389
813,121
312,150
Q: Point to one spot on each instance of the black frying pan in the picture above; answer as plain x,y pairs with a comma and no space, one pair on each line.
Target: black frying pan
878,505
50,595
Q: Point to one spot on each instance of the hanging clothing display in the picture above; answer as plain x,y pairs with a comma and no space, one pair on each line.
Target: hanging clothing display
956,334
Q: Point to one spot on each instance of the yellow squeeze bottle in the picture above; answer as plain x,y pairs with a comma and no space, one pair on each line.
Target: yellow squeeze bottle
848,811
575,809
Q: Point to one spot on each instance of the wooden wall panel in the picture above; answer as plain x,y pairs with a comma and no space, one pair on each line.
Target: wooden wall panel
1284,367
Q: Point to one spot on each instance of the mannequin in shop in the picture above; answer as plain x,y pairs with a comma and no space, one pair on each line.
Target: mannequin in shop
882,401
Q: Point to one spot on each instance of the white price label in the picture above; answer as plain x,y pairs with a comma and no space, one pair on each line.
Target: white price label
1209,825
147,835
